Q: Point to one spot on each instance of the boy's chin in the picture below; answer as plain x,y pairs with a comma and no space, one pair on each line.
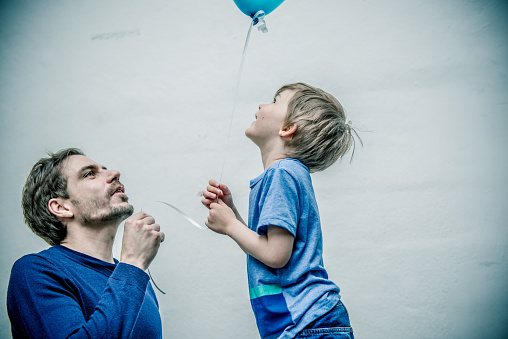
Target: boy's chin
251,137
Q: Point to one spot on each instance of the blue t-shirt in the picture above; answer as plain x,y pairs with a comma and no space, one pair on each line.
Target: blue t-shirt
61,293
287,299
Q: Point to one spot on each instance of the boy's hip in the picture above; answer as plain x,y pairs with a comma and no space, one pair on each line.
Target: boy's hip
334,324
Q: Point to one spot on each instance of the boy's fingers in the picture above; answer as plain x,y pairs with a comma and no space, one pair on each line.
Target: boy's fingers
206,203
213,189
207,194
224,189
221,203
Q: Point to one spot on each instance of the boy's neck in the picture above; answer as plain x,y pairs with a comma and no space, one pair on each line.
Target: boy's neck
270,155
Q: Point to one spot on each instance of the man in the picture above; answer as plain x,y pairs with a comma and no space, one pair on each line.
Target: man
76,288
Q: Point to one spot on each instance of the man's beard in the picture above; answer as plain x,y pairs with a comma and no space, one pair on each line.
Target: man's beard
115,214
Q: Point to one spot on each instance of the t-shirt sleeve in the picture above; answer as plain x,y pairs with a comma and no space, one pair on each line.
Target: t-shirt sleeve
42,302
279,201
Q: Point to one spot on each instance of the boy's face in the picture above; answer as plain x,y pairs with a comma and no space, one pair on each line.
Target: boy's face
270,120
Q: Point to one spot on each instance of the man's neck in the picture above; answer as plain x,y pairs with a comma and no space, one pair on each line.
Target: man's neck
94,241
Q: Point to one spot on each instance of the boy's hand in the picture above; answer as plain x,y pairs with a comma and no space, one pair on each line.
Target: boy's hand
220,217
214,190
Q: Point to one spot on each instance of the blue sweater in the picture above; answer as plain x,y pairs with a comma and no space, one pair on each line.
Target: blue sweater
61,293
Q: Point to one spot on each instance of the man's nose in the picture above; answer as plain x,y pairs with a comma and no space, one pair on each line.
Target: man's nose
113,175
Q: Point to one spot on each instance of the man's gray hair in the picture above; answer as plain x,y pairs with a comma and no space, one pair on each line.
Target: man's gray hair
45,182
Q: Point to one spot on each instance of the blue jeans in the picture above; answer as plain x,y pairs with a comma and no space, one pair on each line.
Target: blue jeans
333,325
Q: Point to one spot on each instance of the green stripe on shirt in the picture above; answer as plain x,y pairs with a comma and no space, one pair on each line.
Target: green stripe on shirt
264,290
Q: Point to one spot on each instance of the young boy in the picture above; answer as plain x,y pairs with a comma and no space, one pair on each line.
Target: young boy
304,130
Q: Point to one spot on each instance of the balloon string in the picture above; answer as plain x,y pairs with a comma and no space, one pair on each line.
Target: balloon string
258,16
182,213
254,21
153,281
238,79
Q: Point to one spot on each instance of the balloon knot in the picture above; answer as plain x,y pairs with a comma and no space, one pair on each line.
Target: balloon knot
259,18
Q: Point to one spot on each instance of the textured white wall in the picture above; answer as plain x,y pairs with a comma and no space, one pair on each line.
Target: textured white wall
415,228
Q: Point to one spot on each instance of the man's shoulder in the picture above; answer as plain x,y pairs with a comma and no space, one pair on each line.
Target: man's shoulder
32,261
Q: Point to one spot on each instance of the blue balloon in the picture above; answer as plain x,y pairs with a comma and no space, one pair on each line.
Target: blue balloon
251,7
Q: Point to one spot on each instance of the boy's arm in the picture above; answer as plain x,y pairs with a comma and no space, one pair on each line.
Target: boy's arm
238,216
273,249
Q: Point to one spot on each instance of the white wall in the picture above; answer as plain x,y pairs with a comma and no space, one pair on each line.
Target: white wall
415,227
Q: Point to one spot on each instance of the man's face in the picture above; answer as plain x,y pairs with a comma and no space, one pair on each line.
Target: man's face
95,193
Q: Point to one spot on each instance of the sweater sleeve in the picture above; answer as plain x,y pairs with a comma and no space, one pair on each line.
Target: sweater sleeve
42,302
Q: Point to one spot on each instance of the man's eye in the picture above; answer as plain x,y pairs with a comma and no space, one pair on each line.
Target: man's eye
88,174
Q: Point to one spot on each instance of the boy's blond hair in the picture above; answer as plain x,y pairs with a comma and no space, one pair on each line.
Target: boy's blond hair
323,134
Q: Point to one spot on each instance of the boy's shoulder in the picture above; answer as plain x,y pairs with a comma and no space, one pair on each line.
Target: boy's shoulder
286,168
283,169
291,165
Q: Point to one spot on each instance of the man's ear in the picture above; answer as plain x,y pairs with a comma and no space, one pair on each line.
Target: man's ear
287,132
60,208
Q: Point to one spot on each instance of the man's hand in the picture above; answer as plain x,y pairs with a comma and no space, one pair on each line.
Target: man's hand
141,240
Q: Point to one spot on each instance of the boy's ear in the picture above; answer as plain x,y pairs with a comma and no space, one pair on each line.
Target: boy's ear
287,132
60,208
